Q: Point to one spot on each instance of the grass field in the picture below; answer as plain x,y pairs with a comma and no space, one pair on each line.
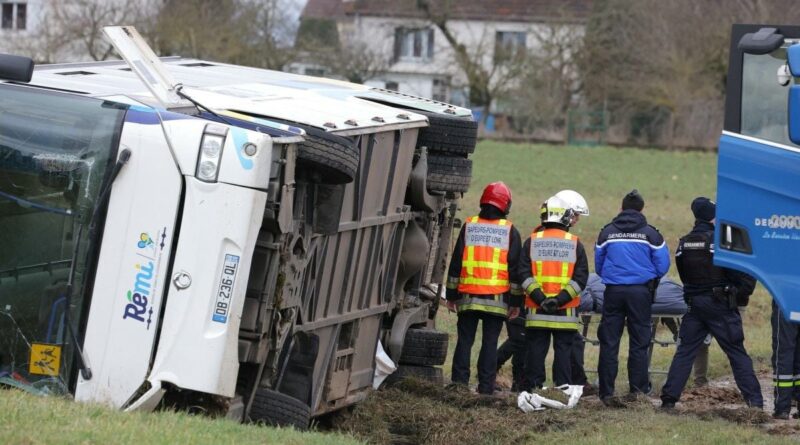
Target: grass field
668,182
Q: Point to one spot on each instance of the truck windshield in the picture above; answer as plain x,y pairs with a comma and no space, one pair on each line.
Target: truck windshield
55,152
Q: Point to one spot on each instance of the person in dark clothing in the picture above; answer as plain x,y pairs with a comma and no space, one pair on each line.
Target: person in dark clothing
483,284
630,257
785,362
554,270
514,349
713,295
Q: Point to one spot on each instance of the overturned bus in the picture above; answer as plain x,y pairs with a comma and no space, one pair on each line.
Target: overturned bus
229,237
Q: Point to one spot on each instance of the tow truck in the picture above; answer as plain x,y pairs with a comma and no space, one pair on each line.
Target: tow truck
758,181
181,232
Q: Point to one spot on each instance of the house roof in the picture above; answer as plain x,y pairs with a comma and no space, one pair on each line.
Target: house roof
326,9
495,10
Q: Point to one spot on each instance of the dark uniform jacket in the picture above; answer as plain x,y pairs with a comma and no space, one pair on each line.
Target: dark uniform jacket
694,260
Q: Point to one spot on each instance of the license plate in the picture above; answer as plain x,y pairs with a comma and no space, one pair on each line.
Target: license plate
225,290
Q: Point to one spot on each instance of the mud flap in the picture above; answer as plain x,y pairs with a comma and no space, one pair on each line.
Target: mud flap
297,378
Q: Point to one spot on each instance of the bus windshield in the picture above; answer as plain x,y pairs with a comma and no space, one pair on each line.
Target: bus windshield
55,152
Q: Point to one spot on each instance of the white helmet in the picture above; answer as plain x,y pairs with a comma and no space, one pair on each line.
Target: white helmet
557,210
575,201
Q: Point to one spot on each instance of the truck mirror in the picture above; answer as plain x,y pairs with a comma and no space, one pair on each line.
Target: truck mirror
764,41
794,114
793,58
16,68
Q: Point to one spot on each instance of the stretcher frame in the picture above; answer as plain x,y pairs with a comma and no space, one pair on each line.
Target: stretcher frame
656,320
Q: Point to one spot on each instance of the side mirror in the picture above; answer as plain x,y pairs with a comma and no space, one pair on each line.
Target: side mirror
16,68
794,114
765,41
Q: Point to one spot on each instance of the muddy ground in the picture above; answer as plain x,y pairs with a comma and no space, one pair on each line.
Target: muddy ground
402,414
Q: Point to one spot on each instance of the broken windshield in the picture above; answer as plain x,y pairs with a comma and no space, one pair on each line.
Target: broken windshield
55,153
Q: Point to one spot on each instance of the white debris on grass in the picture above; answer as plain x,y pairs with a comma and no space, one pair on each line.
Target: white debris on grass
529,402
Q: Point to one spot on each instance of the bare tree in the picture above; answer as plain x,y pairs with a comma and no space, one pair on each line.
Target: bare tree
668,69
247,32
551,84
73,29
490,69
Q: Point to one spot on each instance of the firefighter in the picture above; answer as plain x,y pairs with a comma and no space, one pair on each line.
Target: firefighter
515,346
785,362
578,204
713,295
555,270
483,284
630,257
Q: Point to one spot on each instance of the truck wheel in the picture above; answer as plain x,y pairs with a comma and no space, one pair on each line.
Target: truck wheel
449,174
276,409
425,347
447,134
334,158
426,373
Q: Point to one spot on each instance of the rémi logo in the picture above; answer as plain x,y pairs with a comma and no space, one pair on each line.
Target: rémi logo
139,307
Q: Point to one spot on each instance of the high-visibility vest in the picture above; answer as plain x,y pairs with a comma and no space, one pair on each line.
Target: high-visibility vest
484,263
484,266
553,254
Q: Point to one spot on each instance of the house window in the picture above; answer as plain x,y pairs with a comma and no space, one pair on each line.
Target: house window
12,10
509,43
392,85
439,91
413,44
317,72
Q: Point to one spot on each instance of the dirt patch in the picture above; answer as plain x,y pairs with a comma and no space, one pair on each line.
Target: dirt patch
553,394
414,411
743,416
708,395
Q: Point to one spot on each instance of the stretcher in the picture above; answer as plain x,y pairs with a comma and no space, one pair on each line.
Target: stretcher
668,310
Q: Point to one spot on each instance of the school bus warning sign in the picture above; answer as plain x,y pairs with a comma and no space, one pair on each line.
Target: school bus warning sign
45,359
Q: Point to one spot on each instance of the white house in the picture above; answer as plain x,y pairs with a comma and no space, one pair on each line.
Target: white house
420,60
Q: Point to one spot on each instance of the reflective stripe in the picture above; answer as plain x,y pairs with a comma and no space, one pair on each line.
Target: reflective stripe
552,325
484,281
494,304
782,384
482,308
452,282
575,286
783,376
516,289
536,319
530,285
487,264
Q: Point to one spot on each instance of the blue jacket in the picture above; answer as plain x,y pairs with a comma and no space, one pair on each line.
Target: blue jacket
629,251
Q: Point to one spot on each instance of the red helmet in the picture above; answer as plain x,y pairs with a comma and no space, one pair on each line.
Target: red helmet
497,194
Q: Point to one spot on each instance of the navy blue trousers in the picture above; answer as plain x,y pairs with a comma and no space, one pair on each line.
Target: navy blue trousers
538,345
785,360
514,348
467,326
710,315
631,306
